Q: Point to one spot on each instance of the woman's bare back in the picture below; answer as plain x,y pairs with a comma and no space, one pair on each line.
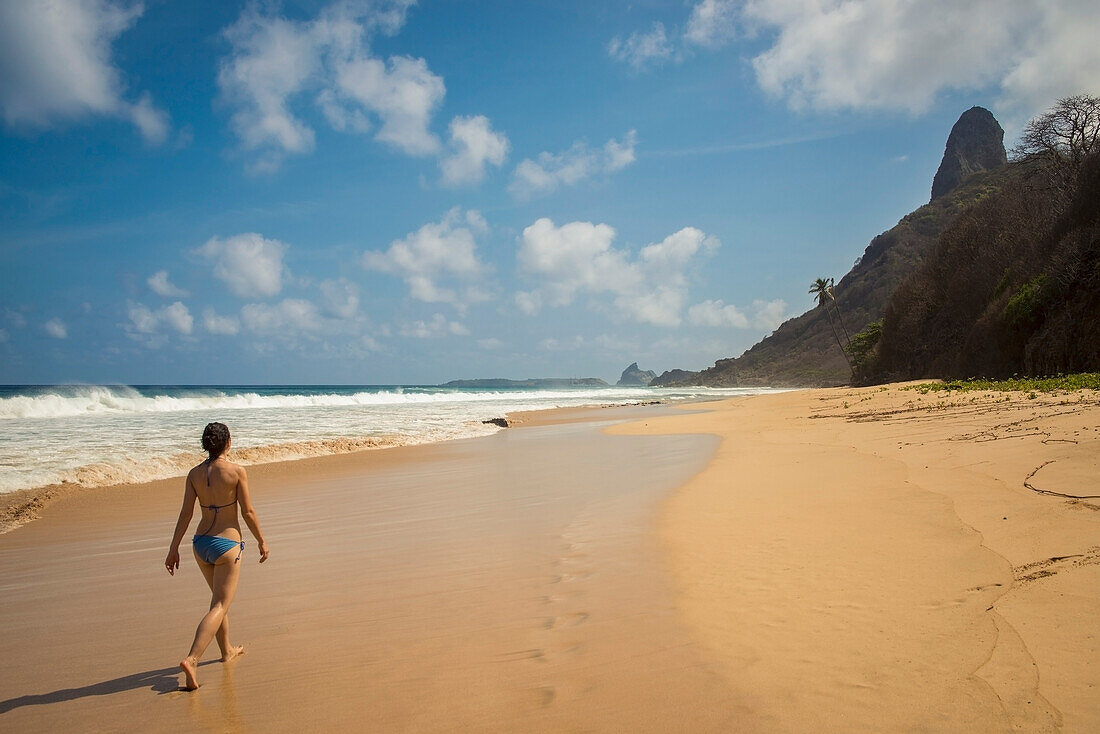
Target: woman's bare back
216,486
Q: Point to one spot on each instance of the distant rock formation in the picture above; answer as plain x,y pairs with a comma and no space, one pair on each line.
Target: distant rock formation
976,143
674,377
634,377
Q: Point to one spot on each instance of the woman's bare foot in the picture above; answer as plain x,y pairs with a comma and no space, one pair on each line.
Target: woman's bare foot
235,651
188,665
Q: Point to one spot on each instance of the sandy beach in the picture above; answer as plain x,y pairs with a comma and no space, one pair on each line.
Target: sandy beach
827,560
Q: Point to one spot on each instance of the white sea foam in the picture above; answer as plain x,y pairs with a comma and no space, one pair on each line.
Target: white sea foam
101,435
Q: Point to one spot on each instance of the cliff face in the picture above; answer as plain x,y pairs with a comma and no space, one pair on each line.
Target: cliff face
803,352
1012,286
976,143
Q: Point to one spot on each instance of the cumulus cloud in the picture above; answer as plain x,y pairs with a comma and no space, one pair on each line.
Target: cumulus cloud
56,328
277,64
340,298
717,313
439,261
55,60
548,171
578,258
215,324
473,145
767,315
250,264
438,325
892,54
895,54
490,343
640,50
144,320
288,317
158,282
712,23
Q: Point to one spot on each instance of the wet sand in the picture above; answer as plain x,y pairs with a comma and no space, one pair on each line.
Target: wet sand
507,583
831,560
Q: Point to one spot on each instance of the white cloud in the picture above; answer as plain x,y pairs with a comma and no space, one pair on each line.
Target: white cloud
440,251
578,258
438,325
144,320
892,54
250,264
642,49
767,315
289,316
215,324
473,145
340,298
55,60
548,171
1061,58
490,343
896,54
718,314
712,23
3,335
529,302
158,282
56,328
276,62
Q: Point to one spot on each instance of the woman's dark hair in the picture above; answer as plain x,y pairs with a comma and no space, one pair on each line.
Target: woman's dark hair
215,438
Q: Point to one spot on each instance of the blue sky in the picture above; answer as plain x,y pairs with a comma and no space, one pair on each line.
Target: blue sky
389,192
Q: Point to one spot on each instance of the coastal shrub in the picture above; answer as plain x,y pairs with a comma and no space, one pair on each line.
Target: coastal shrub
1023,306
1031,385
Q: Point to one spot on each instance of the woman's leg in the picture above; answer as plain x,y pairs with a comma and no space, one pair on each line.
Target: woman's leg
224,586
222,637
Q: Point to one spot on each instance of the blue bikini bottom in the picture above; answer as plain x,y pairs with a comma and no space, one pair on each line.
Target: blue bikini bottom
212,547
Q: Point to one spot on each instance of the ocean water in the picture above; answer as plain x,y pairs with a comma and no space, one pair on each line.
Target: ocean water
97,435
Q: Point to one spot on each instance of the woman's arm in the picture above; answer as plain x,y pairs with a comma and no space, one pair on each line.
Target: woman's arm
244,499
172,561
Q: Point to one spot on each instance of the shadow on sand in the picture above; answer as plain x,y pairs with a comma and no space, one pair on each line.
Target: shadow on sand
164,680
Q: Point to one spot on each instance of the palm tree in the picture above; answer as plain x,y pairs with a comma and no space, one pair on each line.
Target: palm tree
836,306
823,289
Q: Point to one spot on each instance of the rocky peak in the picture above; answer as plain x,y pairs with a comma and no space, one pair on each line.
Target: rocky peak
976,143
634,377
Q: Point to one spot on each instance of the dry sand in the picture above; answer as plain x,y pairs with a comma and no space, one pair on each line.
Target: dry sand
879,560
832,560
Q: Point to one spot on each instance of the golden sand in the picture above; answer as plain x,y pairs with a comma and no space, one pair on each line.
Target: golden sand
879,560
832,560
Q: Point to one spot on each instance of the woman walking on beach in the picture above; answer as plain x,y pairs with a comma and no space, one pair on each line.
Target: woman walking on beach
219,486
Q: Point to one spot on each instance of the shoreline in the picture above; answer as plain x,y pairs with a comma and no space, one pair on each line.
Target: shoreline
484,584
838,559
22,506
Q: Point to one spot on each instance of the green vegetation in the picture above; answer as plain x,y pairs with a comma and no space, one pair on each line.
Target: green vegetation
1012,286
1024,304
1031,385
863,342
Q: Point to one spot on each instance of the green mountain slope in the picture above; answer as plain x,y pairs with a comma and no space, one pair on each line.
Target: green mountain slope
802,352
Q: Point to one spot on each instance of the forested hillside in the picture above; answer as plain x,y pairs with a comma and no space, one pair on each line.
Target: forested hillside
1012,287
